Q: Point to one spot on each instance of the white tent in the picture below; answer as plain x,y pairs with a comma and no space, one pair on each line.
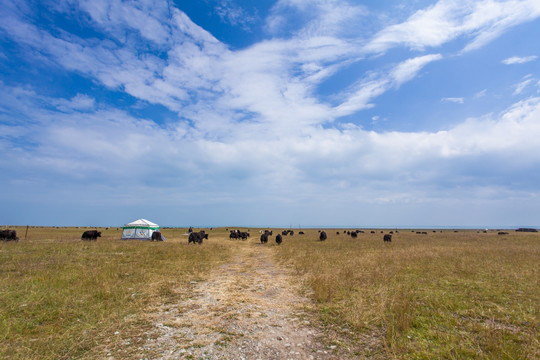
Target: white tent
139,230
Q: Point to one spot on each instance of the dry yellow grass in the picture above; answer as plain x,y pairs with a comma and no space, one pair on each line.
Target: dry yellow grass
64,298
441,295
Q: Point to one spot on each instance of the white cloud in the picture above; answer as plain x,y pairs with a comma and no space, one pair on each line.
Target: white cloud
457,100
101,145
482,21
494,135
264,79
119,140
145,76
481,93
376,84
319,17
143,16
521,86
408,69
361,98
234,14
274,80
518,60
79,102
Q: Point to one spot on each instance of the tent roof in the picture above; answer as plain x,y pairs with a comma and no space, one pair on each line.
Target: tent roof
142,222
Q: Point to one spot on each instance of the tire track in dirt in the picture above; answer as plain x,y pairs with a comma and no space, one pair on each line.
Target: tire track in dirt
249,308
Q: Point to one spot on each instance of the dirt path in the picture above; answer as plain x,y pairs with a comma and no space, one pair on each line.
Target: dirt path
249,309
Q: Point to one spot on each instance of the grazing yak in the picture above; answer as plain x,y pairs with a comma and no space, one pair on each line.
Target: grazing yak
237,234
322,236
197,237
354,234
300,233
8,235
264,238
156,236
387,238
91,235
279,239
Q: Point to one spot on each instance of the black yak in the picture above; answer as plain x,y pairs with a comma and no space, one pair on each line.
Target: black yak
197,237
91,235
156,236
8,235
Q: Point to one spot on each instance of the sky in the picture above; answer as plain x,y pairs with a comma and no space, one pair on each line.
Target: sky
285,113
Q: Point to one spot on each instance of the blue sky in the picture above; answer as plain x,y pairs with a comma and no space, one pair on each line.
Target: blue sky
270,113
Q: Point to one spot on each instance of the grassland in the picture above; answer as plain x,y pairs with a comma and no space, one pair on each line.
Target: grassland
447,295
64,298
444,295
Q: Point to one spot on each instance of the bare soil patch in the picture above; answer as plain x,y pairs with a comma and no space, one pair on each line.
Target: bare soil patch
249,308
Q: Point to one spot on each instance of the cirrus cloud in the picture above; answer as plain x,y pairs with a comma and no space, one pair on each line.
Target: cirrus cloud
518,60
482,21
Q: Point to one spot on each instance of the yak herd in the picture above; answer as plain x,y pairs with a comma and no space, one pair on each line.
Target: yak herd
237,234
197,237
322,235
